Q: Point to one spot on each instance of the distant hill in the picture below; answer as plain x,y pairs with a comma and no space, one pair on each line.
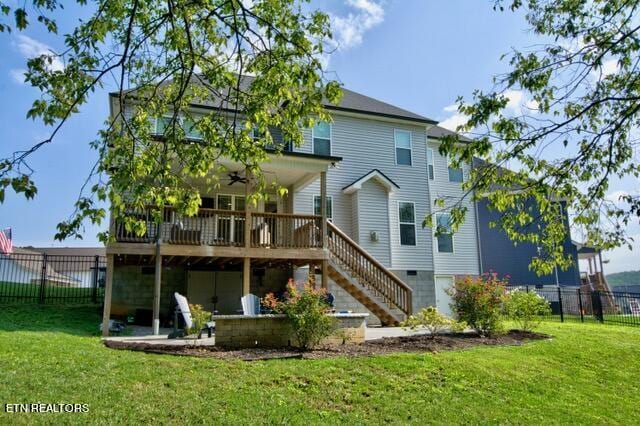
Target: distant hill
624,278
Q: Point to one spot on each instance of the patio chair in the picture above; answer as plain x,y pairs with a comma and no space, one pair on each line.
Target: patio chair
183,309
250,304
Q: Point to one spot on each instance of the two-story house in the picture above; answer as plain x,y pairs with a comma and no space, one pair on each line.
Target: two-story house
358,190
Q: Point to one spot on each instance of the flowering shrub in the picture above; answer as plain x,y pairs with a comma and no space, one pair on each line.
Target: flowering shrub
433,321
306,310
526,309
478,302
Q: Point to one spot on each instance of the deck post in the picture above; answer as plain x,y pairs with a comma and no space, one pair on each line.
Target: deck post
323,213
248,208
108,285
156,290
246,276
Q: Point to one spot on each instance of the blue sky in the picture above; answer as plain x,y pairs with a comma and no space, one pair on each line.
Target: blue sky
417,54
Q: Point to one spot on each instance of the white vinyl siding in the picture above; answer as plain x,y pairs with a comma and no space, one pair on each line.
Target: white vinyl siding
367,144
373,202
465,258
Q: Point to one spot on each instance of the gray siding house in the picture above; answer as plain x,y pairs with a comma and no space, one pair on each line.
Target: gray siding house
376,169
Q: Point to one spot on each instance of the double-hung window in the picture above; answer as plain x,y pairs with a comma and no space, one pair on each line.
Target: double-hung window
407,219
430,169
444,234
317,203
322,138
403,147
187,124
455,174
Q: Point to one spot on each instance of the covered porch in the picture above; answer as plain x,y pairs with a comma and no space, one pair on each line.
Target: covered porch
229,244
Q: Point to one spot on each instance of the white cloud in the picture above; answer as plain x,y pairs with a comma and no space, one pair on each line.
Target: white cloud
457,119
348,31
610,67
622,259
17,75
31,48
615,196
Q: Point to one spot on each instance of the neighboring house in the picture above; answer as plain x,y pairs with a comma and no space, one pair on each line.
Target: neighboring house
83,265
376,170
27,266
501,255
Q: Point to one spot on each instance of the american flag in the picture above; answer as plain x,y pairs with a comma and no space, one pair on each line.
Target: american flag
6,246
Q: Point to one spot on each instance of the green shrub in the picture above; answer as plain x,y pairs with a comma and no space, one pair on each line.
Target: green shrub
526,309
199,318
478,302
307,311
433,321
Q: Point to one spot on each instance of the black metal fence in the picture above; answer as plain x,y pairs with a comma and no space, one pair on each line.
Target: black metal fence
576,304
51,279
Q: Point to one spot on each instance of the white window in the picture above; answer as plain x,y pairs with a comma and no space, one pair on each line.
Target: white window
430,169
187,124
444,234
321,133
403,147
455,174
317,203
407,219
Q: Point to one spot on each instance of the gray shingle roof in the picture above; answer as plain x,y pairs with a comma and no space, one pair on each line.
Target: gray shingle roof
437,132
351,101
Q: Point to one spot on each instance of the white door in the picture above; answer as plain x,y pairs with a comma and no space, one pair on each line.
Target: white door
443,300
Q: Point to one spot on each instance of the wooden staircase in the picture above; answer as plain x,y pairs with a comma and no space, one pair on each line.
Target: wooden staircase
366,279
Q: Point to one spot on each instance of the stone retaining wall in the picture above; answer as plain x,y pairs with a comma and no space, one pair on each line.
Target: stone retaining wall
238,331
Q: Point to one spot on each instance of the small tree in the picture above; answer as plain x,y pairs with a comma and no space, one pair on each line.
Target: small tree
307,311
433,321
478,302
526,309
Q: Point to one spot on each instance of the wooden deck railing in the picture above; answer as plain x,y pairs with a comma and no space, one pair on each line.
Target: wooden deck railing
212,227
276,230
372,274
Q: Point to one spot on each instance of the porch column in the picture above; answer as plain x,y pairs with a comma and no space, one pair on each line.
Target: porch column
248,208
323,213
108,286
156,290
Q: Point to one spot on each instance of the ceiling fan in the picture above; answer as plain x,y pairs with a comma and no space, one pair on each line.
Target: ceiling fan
235,177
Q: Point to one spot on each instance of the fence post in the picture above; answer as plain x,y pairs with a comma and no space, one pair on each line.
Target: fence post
560,305
597,305
96,266
43,278
527,288
580,305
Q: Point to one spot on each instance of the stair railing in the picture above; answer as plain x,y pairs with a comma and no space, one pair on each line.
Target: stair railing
369,272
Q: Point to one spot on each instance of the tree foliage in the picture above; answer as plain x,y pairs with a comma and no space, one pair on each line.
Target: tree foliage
577,134
256,63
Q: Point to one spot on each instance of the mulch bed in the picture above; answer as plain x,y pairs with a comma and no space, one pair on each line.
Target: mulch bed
387,345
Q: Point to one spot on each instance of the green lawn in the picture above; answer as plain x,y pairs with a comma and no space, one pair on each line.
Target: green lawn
587,374
14,292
